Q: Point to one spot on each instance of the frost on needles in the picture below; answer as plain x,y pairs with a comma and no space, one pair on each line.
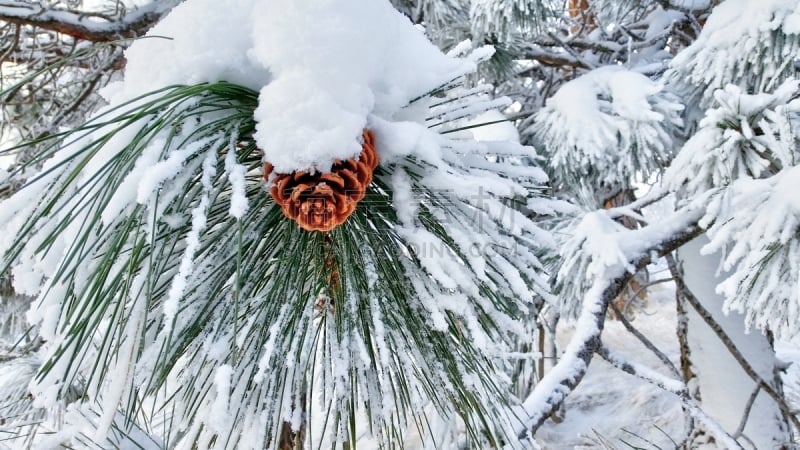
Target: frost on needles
170,288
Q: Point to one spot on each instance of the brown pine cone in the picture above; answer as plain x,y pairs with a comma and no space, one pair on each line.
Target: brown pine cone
321,202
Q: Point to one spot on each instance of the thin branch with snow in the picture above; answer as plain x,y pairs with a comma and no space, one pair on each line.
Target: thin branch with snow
645,341
676,387
708,318
83,26
746,414
639,248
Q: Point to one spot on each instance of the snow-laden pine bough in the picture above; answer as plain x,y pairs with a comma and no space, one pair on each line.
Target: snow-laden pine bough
166,276
179,302
608,254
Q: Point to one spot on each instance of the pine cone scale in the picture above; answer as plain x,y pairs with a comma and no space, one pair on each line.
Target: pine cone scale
321,202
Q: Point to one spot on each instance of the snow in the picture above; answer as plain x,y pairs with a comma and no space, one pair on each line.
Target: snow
740,167
180,281
747,43
595,229
755,222
610,121
5,163
154,172
616,406
316,93
315,96
403,198
174,52
786,189
493,126
221,408
725,147
236,173
402,138
660,19
719,374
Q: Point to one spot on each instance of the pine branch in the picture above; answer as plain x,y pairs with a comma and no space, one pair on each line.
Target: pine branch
553,389
211,272
84,26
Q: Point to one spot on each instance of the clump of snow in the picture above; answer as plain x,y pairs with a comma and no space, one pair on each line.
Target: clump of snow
661,19
401,138
222,383
493,126
786,189
594,230
609,121
744,135
236,173
324,89
316,93
174,52
747,43
756,223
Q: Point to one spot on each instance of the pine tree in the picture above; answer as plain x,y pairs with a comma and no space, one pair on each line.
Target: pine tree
172,288
281,232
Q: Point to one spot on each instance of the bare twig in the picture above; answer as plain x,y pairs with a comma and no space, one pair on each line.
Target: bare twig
687,370
12,45
555,59
747,409
568,48
708,318
645,341
642,288
676,387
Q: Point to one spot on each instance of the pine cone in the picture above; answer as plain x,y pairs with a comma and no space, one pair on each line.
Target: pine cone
321,202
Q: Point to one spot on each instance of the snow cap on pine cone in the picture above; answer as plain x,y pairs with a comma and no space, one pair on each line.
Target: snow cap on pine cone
317,93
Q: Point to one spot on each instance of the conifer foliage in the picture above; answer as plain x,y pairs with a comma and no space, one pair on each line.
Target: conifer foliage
172,285
281,231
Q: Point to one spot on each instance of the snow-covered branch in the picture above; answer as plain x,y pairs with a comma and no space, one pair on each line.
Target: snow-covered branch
676,387
634,249
554,387
708,318
84,26
551,49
